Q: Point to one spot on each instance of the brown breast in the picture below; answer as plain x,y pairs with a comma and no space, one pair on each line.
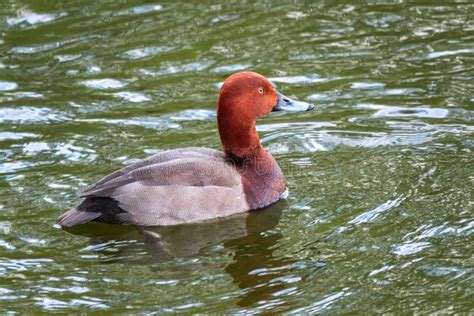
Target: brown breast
262,179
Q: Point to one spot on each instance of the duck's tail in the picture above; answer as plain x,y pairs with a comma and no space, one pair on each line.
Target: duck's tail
100,209
75,217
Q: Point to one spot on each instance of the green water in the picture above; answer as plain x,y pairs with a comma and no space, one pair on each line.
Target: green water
379,216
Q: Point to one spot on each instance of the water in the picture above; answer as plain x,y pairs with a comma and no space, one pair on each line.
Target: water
379,216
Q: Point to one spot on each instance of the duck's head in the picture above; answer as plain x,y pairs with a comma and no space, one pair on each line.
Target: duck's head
243,99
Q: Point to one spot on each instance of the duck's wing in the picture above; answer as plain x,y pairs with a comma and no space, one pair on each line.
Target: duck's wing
195,172
166,156
178,187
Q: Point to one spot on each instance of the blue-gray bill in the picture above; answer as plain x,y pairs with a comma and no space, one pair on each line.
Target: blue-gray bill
286,104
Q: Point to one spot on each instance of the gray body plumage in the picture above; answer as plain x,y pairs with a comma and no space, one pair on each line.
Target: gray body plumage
173,187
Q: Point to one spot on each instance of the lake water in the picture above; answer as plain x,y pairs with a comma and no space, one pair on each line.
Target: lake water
379,216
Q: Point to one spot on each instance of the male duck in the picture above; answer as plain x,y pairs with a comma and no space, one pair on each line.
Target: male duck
192,184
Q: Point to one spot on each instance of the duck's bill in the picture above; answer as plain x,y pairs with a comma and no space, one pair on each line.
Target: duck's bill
286,104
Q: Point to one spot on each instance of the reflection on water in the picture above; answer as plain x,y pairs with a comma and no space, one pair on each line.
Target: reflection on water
180,241
379,215
254,268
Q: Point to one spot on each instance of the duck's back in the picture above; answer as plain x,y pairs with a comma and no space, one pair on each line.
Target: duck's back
173,187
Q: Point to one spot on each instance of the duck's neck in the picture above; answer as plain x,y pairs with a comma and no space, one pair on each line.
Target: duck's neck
239,137
262,179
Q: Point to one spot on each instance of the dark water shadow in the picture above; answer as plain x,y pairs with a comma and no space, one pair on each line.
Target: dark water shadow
255,269
145,245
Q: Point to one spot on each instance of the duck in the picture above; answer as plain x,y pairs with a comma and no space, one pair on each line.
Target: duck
187,185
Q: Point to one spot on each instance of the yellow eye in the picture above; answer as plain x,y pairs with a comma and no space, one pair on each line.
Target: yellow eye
261,90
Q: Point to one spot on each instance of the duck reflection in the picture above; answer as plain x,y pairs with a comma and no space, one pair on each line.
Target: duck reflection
190,240
254,268
132,244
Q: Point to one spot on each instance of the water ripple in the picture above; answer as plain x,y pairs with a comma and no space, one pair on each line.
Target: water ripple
19,265
33,148
298,79
12,167
435,55
367,85
232,68
141,9
54,304
192,115
324,140
25,94
139,53
147,122
16,136
104,84
7,86
68,57
393,111
409,248
28,114
46,47
370,216
176,68
322,304
459,228
26,18
36,48
134,97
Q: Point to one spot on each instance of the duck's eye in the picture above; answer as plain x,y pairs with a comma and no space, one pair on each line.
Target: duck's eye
261,90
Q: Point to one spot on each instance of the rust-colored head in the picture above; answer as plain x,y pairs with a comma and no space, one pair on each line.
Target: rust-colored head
243,99
247,94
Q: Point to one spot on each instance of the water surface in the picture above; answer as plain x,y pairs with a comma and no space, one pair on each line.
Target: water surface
379,216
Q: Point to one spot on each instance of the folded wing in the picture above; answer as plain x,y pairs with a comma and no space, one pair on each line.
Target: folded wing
172,187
